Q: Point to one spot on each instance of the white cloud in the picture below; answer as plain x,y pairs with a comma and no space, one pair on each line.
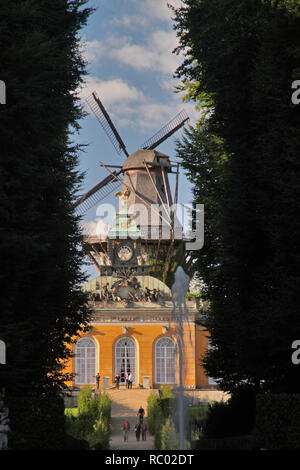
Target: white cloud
147,11
131,21
157,114
133,55
115,90
155,55
161,11
92,51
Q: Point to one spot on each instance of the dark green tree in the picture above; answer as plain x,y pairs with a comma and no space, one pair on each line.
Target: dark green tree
241,59
42,305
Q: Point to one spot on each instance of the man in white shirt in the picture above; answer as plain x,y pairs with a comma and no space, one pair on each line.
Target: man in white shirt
130,379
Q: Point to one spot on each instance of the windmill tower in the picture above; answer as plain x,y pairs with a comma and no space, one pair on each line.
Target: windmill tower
144,176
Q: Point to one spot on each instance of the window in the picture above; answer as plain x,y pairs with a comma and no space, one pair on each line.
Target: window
125,354
85,361
165,361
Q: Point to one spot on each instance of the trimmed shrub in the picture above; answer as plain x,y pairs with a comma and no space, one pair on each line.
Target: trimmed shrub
166,401
163,420
159,410
156,418
152,411
197,417
166,405
99,438
159,422
84,400
92,423
166,392
81,426
169,436
104,406
277,424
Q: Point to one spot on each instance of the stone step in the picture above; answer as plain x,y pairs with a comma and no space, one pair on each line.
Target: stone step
127,402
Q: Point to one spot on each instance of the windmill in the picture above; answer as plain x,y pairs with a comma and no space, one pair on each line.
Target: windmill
144,176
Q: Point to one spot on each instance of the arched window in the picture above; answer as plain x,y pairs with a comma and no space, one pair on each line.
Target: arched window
165,361
85,361
125,357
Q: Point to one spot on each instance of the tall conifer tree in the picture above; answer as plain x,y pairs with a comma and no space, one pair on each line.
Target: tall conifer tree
242,58
42,305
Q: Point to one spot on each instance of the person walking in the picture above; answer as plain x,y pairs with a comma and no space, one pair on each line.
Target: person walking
141,414
137,430
126,429
144,431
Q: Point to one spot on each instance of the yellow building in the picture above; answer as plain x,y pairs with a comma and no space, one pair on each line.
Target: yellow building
139,337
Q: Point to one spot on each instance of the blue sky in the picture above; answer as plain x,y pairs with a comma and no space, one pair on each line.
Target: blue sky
128,45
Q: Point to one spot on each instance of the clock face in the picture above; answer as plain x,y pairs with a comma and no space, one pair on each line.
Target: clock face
125,253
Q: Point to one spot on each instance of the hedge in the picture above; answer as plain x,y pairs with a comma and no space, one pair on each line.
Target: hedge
169,436
277,424
156,419
196,420
235,417
36,423
159,410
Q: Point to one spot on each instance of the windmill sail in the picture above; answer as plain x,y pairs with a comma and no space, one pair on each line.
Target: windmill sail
103,117
176,123
97,193
112,181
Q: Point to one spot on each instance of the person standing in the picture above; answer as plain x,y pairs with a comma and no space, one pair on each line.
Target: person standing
117,381
98,380
127,380
130,380
126,429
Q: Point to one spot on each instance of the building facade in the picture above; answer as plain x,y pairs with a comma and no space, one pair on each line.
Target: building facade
140,337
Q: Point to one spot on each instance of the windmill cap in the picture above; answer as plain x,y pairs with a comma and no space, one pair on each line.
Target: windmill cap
136,160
